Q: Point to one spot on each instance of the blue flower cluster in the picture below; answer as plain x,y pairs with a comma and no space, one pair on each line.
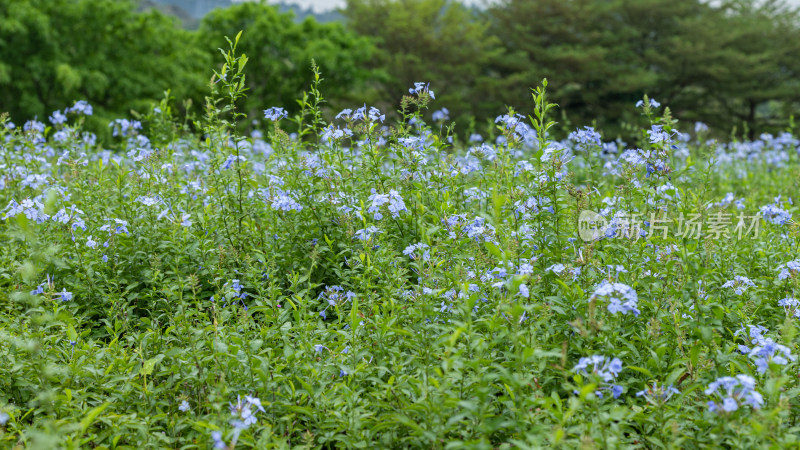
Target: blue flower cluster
730,393
603,367
621,297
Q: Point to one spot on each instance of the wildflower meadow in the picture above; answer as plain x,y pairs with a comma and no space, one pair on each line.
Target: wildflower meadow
382,279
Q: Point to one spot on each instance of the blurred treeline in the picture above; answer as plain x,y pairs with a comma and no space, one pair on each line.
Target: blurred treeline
731,64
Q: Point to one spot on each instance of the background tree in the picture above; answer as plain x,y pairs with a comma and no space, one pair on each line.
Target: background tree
280,52
725,64
440,42
53,52
592,53
751,77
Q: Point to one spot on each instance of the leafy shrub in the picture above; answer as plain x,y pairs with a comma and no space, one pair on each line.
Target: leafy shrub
362,283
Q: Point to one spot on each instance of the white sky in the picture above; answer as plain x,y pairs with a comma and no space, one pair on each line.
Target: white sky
324,5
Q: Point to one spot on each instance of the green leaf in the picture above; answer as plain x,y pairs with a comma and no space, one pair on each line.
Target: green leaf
494,250
641,370
150,364
91,416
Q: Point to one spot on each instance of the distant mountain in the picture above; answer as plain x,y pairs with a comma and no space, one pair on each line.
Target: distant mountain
184,16
191,11
196,8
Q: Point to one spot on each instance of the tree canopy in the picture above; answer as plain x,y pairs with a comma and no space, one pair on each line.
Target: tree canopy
53,52
730,64
281,51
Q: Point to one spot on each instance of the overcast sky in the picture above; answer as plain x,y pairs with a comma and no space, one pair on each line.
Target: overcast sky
322,5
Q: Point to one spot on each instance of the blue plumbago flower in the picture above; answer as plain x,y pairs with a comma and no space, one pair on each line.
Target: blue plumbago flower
498,273
605,368
80,107
727,200
636,157
442,114
243,412
275,114
790,269
34,125
230,160
4,418
775,214
617,269
125,127
483,151
621,297
65,296
687,315
120,228
366,234
392,199
478,230
33,209
421,87
658,135
58,118
411,249
185,220
332,133
522,131
475,137
524,291
373,115
653,103
254,401
791,305
755,334
557,151
105,258
282,201
90,242
586,136
602,366
525,269
733,392
658,393
344,113
39,289
739,284
769,351
184,406
334,295
319,348
218,442
148,201
556,268
700,127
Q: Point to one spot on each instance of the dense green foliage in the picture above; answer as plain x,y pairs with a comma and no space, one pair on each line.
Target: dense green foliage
103,51
731,64
53,52
374,283
433,40
281,53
